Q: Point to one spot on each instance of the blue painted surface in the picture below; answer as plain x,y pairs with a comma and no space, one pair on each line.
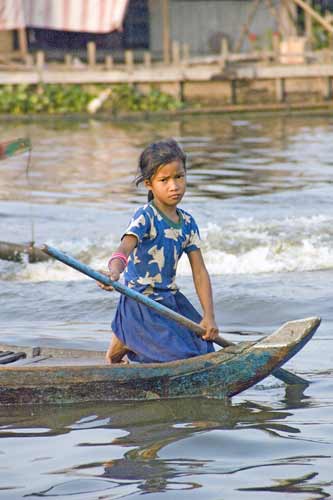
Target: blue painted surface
133,294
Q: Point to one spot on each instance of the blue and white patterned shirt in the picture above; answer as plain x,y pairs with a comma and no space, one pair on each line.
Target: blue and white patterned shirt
153,263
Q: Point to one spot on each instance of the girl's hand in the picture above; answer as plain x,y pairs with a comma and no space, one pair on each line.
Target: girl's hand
114,276
211,328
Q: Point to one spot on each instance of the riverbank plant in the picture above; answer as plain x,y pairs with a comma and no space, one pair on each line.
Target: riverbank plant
34,99
66,99
129,98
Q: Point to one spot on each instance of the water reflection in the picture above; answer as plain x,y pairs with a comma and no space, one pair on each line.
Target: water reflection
296,485
227,157
145,433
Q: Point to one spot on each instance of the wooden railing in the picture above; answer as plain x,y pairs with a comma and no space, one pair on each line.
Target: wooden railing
225,66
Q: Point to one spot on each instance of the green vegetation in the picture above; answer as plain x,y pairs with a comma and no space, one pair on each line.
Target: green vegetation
63,99
128,98
320,37
31,99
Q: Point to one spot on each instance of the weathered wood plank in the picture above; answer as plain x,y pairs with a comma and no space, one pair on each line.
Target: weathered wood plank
11,357
281,71
163,74
3,354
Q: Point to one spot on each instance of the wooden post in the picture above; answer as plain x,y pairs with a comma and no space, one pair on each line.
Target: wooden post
147,59
181,96
328,92
68,60
29,60
224,47
108,61
166,31
40,59
22,42
175,52
224,51
91,53
280,87
129,60
233,91
185,54
276,45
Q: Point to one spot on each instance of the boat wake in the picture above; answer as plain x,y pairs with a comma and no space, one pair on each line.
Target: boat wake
241,246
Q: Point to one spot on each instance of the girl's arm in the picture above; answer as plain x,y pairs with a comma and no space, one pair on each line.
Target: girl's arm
204,290
127,245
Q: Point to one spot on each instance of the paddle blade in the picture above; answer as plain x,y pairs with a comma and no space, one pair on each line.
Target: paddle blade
17,146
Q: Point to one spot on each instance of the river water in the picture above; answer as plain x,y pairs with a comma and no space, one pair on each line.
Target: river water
261,191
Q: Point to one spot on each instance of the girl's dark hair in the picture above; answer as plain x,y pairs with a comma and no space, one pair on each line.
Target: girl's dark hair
154,156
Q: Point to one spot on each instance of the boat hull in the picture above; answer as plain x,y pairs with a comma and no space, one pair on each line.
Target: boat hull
56,376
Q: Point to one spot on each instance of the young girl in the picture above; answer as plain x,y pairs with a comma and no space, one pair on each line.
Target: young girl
148,254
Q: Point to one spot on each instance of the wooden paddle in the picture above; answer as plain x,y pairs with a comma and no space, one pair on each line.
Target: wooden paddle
11,148
281,374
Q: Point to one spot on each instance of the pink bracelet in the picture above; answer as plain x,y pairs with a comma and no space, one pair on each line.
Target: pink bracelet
118,255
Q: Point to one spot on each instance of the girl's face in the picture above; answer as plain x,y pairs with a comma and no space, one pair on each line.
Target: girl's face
168,184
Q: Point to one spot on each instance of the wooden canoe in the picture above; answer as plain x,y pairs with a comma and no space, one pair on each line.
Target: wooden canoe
46,375
14,147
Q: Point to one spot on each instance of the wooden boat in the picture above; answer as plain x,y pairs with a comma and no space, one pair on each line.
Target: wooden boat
14,147
45,375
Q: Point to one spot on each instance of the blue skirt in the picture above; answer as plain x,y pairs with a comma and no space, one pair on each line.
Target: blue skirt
152,338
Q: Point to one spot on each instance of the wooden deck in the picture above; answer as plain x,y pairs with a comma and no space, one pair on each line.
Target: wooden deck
181,79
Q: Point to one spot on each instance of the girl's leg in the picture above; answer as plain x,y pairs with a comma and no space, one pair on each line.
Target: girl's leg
116,350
